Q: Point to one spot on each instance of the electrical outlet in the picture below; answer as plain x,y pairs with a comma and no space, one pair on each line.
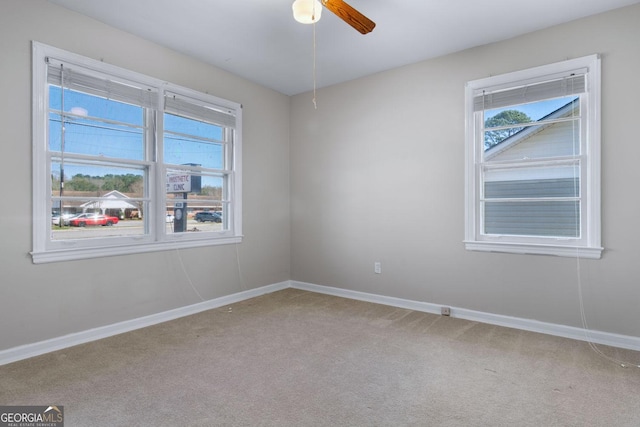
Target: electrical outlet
445,311
377,267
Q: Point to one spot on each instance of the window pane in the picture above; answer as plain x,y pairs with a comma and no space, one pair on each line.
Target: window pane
95,126
545,181
557,139
535,111
541,218
500,129
97,180
97,189
196,215
95,106
93,224
561,187
203,207
188,141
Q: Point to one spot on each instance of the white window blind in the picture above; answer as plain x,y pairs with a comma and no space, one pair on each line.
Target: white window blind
195,109
489,99
85,80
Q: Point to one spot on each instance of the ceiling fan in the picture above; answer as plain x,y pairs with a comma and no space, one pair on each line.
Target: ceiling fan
309,11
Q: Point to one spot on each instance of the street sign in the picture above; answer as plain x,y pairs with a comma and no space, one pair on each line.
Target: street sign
178,183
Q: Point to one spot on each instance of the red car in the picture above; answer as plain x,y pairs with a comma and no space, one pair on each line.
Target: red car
92,219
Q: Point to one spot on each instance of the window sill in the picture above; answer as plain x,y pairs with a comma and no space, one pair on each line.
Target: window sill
532,249
87,253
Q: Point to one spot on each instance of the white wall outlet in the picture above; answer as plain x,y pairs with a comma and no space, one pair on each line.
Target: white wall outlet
377,267
445,311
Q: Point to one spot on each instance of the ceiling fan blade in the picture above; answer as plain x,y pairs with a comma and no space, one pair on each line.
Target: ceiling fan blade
349,15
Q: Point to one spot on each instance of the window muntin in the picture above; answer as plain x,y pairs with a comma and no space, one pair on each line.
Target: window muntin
113,138
532,160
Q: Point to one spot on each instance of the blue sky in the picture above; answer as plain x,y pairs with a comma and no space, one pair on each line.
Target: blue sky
535,110
124,139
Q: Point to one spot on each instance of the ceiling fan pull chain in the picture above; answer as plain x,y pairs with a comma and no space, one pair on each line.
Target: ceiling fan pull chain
315,106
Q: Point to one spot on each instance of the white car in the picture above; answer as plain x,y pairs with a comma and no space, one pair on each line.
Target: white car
55,218
169,218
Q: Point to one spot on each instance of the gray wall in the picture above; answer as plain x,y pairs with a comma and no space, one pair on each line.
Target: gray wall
377,174
43,301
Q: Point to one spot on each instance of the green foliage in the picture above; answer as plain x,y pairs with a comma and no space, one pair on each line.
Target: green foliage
121,183
128,183
81,182
213,192
504,118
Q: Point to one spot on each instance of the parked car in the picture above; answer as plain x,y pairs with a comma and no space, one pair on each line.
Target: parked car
55,218
169,218
93,219
208,216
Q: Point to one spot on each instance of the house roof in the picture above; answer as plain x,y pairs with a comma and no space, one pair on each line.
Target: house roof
529,131
116,200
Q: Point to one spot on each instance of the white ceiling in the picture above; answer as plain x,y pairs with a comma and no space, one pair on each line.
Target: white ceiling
260,41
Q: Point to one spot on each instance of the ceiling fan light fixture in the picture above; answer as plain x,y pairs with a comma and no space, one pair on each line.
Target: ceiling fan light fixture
307,11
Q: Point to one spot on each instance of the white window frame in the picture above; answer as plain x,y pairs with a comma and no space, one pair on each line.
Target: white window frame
45,249
588,245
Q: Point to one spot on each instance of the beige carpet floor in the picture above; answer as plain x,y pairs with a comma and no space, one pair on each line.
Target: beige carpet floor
296,358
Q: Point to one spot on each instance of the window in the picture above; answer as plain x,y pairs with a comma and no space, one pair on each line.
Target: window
533,161
125,163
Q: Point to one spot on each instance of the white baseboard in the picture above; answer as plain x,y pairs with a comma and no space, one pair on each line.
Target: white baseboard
30,350
597,337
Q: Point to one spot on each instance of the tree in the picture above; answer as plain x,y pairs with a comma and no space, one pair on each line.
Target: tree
81,182
122,183
213,192
504,118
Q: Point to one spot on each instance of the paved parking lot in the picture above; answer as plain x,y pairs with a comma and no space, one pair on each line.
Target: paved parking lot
124,228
